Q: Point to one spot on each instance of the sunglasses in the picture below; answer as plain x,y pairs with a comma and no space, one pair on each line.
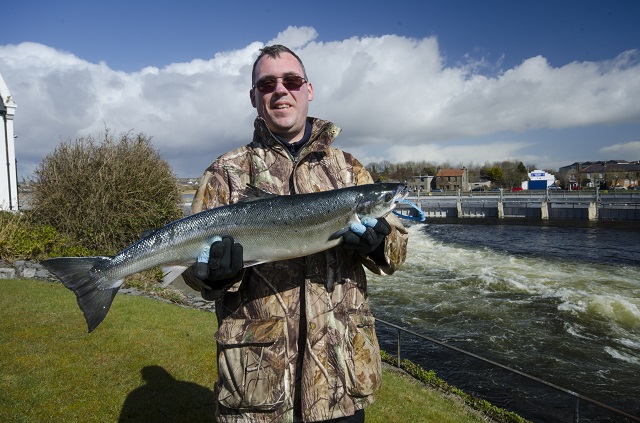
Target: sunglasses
268,84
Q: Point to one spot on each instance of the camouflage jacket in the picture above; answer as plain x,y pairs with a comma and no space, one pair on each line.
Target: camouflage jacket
296,338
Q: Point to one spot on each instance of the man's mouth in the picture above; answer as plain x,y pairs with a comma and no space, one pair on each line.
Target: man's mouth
281,106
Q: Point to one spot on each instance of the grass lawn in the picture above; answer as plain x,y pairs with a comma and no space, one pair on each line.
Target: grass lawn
149,361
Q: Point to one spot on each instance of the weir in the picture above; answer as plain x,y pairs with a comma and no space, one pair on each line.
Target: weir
593,205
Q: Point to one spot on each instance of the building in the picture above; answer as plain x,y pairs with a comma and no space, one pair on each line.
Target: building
420,183
539,179
8,172
575,167
611,174
452,179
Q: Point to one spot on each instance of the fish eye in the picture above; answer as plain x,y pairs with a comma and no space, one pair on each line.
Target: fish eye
388,197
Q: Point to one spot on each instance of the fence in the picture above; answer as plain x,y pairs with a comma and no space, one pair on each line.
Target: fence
577,398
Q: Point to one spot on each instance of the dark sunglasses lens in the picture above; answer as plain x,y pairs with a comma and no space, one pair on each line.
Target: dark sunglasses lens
266,85
292,82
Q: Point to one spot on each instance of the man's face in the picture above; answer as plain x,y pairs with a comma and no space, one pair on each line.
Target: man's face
285,111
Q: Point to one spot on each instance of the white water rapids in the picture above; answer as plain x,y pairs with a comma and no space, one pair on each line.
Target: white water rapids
560,303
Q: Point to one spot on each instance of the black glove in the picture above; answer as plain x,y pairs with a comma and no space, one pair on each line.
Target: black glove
368,236
225,262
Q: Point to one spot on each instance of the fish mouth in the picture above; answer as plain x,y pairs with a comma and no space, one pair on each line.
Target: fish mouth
401,194
404,192
398,197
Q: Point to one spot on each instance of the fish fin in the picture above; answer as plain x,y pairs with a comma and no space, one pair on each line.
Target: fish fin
338,234
253,193
74,273
171,273
148,232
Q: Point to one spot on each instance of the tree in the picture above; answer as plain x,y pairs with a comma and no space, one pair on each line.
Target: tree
493,173
372,168
522,168
513,173
402,174
105,191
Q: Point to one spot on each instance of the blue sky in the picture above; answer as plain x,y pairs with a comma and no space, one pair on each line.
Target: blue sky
545,82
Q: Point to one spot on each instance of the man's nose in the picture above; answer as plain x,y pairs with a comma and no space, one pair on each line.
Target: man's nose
280,88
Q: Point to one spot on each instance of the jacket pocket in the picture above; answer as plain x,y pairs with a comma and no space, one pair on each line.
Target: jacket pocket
251,364
363,356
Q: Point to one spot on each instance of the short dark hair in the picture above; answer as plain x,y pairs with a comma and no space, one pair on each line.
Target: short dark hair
275,51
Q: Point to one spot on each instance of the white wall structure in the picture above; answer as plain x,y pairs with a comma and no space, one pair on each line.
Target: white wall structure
539,179
541,175
8,172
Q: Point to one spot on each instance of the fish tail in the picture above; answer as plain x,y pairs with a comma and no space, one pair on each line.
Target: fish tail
75,273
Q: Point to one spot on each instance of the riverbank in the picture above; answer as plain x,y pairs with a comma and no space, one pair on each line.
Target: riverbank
407,386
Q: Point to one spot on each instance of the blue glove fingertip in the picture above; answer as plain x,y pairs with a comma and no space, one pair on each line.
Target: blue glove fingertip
204,255
369,221
357,228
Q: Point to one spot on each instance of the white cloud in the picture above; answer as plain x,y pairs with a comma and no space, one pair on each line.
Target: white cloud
459,154
295,37
620,151
392,95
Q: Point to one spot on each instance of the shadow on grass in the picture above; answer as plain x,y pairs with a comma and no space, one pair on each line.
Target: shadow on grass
165,399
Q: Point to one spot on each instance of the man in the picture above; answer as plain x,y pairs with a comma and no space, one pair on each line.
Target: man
296,340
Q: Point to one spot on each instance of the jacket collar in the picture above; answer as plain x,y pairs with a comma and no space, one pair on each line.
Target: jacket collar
323,133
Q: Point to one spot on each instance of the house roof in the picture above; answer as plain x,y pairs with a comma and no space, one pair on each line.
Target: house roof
612,166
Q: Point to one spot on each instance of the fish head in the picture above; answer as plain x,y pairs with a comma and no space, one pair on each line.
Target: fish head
378,200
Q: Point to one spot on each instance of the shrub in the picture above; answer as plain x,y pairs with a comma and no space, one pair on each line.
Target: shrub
20,238
105,191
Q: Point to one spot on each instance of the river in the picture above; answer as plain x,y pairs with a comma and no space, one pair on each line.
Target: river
560,302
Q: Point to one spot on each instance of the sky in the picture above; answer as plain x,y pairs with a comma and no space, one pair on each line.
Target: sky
466,83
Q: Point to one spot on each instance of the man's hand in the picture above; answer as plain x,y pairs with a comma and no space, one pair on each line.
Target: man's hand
217,265
367,236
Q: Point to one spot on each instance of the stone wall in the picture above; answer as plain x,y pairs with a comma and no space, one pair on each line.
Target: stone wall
23,269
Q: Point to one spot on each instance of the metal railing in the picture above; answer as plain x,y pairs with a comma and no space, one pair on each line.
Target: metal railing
577,397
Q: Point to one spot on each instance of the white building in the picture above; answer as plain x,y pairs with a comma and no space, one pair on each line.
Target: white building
539,179
8,172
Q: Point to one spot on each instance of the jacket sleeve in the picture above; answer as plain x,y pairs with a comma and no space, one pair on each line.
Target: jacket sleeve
395,249
395,244
213,190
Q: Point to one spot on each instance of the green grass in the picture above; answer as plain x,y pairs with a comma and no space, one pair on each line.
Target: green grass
148,361
403,399
51,369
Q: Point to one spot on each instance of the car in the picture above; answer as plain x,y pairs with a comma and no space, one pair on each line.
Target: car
436,190
478,189
554,187
516,189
